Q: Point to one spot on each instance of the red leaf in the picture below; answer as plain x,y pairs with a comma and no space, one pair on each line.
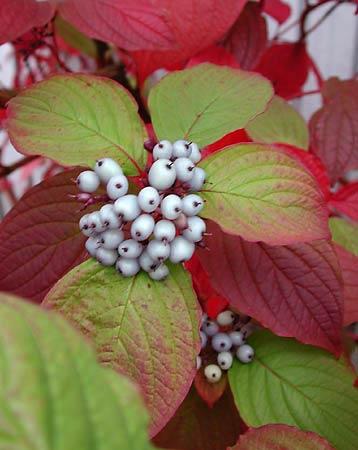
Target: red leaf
209,392
235,137
215,55
294,290
349,268
18,17
345,201
277,9
334,127
274,65
130,25
281,437
39,238
247,39
196,25
198,427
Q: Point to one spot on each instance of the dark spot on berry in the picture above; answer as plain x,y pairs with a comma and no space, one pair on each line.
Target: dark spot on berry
187,146
196,204
85,227
222,345
102,241
153,267
191,168
125,249
160,145
169,166
106,223
100,163
177,209
151,202
138,233
214,375
93,225
118,186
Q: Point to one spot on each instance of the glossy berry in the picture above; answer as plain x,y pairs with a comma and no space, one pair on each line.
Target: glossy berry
181,250
106,257
163,150
88,181
245,353
184,169
127,267
221,342
198,180
203,339
171,206
210,327
158,250
181,149
225,318
110,239
130,248
195,154
84,225
162,174
192,204
117,187
225,360
95,222
147,263
195,229
106,168
212,373
127,207
164,230
148,199
159,273
109,218
142,227
237,338
92,246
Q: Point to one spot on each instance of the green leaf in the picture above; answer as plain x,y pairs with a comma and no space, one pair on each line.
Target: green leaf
261,194
298,385
206,102
145,329
76,119
54,394
280,123
345,234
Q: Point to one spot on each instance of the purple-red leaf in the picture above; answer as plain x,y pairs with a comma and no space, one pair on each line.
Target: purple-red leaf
40,239
195,426
281,437
209,392
334,127
294,290
247,38
277,9
345,201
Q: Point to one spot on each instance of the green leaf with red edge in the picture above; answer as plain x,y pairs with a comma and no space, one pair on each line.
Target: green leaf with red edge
349,269
299,385
204,103
280,122
40,240
76,119
345,234
54,394
196,426
334,127
281,437
295,290
145,329
261,194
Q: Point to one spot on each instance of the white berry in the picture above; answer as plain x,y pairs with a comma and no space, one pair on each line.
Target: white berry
237,338
110,239
142,227
106,257
163,150
171,206
117,187
147,263
212,373
184,168
181,149
225,360
195,154
221,342
192,204
164,230
106,168
109,218
210,327
203,339
158,250
196,228
198,180
128,267
95,222
130,248
159,273
92,246
88,181
245,353
84,225
148,199
181,250
127,207
162,174
225,318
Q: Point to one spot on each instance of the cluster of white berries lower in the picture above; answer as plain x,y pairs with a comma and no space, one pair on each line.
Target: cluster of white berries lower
227,338
142,231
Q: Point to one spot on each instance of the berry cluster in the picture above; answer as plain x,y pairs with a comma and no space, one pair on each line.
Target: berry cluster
227,337
135,232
